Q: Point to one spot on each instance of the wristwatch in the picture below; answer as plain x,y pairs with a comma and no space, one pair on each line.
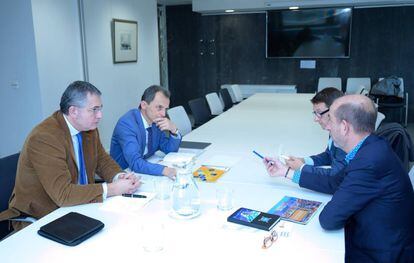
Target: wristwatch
175,132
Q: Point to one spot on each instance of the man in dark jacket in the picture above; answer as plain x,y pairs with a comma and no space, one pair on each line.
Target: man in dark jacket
332,156
373,198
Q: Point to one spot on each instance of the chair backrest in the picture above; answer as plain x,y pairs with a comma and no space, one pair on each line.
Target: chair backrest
237,92
401,93
329,82
380,118
231,92
216,107
358,85
225,96
180,118
399,140
200,111
8,168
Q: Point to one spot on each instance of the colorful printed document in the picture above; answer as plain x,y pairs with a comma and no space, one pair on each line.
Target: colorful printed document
295,209
209,173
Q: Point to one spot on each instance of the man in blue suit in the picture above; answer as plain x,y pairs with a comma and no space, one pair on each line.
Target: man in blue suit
141,132
332,156
373,198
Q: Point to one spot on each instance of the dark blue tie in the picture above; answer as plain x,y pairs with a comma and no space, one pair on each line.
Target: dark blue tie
82,171
149,143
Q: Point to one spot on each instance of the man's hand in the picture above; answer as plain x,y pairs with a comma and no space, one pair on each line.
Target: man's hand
274,167
169,172
294,162
127,183
164,124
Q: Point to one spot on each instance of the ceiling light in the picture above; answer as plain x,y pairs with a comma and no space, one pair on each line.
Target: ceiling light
294,7
229,11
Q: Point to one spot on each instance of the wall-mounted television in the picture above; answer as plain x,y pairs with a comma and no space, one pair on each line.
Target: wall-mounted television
309,33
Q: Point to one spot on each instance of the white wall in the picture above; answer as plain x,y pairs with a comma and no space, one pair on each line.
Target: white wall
58,49
41,49
121,84
20,109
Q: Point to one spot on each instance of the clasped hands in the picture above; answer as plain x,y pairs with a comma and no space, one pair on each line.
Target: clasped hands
125,183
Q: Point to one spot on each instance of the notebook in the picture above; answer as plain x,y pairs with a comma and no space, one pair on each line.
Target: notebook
71,229
254,218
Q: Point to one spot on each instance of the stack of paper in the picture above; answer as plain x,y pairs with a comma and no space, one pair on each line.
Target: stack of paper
120,204
181,158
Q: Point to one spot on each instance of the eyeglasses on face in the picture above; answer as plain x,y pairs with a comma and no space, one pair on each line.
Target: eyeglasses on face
96,109
320,114
269,240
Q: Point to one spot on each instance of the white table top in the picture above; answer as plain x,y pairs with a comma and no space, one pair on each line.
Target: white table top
260,123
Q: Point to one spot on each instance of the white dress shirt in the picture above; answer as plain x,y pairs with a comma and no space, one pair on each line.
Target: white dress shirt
75,143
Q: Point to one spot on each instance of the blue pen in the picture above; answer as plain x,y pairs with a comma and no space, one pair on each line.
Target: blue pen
261,156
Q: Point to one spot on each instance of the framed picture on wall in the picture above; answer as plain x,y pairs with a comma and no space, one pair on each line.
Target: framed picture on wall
124,41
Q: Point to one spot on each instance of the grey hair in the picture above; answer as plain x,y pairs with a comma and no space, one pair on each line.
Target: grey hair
75,95
151,91
361,117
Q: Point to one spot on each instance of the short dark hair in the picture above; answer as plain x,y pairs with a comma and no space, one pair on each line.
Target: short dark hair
75,95
151,91
362,118
327,95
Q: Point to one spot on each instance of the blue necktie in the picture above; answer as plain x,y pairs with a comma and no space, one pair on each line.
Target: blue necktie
149,143
82,171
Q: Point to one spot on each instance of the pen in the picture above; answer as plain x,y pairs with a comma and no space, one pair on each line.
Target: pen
134,196
261,156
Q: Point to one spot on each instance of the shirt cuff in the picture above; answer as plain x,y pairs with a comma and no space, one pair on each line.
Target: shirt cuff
296,176
308,161
116,177
176,136
105,191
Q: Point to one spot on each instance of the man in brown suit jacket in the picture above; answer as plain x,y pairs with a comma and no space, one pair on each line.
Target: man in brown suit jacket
48,173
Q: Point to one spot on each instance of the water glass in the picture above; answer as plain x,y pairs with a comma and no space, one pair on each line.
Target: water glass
153,236
224,196
163,187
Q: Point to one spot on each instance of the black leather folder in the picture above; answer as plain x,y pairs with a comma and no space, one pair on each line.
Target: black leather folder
71,229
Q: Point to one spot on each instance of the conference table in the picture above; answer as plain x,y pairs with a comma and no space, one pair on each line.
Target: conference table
271,124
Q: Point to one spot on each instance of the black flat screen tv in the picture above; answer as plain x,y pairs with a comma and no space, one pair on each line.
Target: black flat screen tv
309,33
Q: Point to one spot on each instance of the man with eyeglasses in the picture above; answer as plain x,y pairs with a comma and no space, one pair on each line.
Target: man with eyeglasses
142,131
373,198
60,158
332,156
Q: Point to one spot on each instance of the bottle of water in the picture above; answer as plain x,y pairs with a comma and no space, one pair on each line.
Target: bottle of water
185,194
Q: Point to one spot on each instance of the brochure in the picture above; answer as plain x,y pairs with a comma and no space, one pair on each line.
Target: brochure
295,209
209,173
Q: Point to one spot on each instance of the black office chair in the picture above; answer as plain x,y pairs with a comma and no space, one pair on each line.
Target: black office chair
8,168
398,102
399,140
225,96
200,111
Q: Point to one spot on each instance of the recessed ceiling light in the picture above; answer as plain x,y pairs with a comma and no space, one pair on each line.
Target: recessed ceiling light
294,7
229,11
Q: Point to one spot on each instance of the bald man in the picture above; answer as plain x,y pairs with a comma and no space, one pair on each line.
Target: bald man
373,197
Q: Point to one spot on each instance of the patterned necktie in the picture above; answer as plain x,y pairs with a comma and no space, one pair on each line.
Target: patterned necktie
149,143
82,171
